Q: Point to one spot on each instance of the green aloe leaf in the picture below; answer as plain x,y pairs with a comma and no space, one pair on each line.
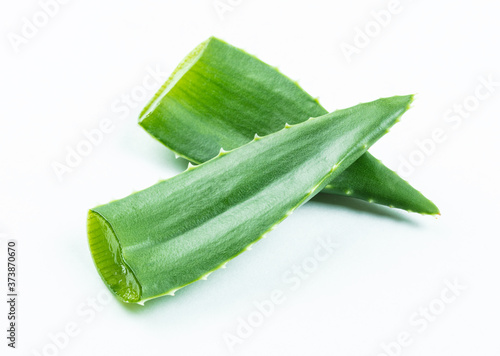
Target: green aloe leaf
160,239
220,97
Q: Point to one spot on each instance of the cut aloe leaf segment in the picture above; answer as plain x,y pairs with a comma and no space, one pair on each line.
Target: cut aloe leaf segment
178,231
221,97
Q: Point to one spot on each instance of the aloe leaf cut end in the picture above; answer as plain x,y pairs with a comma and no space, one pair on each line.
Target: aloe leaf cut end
109,261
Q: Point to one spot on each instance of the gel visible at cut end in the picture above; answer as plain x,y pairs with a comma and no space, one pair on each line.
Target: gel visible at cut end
177,74
107,254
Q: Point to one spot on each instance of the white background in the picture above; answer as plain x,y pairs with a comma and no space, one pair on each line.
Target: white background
387,265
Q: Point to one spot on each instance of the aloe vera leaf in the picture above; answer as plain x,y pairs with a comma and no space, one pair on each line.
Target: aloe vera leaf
165,237
220,97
